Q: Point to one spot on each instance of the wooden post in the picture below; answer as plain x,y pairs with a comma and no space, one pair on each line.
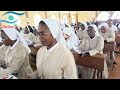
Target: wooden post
96,15
59,16
27,19
76,16
46,14
69,17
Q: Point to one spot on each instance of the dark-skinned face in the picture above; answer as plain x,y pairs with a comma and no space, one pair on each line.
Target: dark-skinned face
110,22
26,31
82,26
6,40
45,35
35,32
91,32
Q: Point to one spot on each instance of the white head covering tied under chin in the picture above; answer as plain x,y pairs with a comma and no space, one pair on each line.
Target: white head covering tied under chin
55,29
13,34
103,24
96,29
84,23
74,41
67,31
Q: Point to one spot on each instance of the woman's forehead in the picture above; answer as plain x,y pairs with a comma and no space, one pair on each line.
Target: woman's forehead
103,27
43,28
90,27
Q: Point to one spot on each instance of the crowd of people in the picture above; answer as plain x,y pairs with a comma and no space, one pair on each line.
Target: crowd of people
54,60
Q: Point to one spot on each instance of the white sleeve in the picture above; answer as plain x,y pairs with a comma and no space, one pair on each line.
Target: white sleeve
70,70
112,36
98,48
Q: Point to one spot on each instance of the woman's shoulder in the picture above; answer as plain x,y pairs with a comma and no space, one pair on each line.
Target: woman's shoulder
63,49
20,46
41,49
86,38
100,37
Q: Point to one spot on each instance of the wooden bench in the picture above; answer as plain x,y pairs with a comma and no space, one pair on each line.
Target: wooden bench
117,51
117,38
96,61
109,46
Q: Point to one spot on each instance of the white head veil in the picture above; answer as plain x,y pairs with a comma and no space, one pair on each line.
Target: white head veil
84,23
74,41
55,29
103,24
67,31
96,29
13,34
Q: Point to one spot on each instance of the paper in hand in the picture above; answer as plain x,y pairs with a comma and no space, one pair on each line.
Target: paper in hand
77,50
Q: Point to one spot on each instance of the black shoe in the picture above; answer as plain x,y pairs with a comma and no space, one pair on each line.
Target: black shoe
114,62
80,76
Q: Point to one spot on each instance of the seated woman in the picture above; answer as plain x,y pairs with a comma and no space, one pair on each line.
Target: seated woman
29,36
92,45
82,32
71,39
106,33
109,36
21,31
14,54
36,41
54,60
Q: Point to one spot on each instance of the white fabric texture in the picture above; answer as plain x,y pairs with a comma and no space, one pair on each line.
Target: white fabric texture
73,40
13,34
103,24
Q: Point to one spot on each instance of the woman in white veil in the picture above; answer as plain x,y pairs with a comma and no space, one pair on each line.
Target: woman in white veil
72,40
90,46
14,56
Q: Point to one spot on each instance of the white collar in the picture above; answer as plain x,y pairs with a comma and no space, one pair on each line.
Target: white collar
93,38
14,44
2,46
53,48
